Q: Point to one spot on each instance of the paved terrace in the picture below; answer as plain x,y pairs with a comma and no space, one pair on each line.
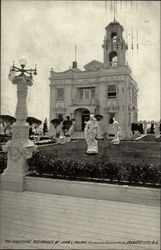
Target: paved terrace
35,218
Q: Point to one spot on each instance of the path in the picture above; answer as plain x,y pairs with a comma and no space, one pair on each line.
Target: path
35,216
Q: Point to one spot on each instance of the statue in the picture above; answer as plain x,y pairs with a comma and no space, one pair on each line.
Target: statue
116,128
59,130
70,131
90,135
67,128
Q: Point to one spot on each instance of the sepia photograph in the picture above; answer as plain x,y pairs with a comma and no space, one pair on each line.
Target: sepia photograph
80,125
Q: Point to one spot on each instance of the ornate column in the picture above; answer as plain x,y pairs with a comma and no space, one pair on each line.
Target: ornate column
20,148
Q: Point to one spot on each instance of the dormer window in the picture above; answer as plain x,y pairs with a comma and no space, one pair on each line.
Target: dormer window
114,37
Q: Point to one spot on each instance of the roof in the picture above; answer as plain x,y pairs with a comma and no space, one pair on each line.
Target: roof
93,65
113,23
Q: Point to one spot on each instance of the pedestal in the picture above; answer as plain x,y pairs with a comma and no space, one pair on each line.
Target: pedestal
68,138
61,140
17,168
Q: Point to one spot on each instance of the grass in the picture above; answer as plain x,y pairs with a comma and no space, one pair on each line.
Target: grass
127,151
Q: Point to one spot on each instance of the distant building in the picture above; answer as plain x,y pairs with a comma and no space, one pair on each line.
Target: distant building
104,88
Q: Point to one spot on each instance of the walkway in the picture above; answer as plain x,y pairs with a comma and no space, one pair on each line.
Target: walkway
45,221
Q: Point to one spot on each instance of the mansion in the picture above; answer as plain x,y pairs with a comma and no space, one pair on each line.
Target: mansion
104,88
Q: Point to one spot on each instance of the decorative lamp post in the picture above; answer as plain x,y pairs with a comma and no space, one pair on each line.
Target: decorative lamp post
20,148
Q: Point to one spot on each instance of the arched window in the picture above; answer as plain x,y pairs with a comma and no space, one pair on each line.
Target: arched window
114,37
113,59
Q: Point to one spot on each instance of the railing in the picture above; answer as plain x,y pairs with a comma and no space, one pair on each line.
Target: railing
91,101
113,64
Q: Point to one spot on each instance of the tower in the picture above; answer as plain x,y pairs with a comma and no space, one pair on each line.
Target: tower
114,46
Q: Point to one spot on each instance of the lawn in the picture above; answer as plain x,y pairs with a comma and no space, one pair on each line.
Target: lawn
136,163
128,151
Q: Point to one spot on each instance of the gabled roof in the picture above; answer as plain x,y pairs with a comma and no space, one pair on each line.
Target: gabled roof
93,65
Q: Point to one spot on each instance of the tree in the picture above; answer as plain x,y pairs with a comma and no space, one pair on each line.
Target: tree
55,122
6,121
45,126
33,122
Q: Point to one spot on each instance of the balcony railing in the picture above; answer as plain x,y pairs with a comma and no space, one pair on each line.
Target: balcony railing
113,64
79,101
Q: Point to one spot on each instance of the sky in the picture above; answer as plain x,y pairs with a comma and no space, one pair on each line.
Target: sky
45,33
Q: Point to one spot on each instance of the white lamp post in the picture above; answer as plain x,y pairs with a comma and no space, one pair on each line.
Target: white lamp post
20,148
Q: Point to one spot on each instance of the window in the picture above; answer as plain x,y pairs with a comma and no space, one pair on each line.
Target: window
92,92
60,93
86,94
111,116
114,37
113,59
81,93
111,91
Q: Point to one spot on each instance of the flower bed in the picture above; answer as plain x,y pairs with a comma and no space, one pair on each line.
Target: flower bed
142,173
45,142
150,138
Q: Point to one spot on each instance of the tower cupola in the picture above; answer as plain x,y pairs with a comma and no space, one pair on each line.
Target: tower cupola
114,45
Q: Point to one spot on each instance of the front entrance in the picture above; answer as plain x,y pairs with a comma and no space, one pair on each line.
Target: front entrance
85,118
81,115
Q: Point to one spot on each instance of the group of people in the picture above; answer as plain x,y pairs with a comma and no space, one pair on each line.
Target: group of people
90,133
141,127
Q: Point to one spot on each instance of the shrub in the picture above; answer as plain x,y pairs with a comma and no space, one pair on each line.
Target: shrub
119,172
5,138
40,164
3,162
150,173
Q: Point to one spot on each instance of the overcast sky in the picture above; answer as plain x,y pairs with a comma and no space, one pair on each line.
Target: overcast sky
45,33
